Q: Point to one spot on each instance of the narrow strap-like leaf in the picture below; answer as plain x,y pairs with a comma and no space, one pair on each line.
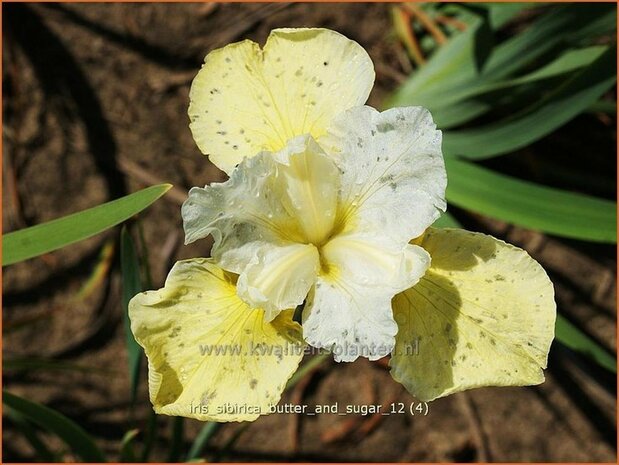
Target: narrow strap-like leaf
67,430
131,285
31,435
202,439
544,117
46,237
576,340
530,205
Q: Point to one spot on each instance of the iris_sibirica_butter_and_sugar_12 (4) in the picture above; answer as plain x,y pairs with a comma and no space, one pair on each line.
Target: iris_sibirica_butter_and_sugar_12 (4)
323,239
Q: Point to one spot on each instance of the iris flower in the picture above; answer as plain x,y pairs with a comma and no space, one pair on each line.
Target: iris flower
328,208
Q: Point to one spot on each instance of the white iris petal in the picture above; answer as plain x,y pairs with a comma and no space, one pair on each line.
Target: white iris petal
334,223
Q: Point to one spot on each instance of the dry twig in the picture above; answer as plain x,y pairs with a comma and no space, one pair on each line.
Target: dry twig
481,441
145,177
427,22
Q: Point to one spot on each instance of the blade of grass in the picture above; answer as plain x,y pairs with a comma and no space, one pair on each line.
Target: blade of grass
308,366
450,22
603,106
46,237
202,439
448,66
101,270
578,341
148,279
127,449
67,430
131,285
502,13
230,442
557,26
530,205
468,102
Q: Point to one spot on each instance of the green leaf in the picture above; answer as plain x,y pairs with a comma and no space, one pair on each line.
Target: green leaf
31,434
202,439
178,428
308,366
453,68
151,436
461,112
46,237
576,340
603,106
131,285
447,221
597,27
127,449
450,65
144,262
502,13
530,205
574,97
470,102
556,27
67,430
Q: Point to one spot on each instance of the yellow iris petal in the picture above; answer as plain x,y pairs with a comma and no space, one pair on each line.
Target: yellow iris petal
211,357
245,100
482,315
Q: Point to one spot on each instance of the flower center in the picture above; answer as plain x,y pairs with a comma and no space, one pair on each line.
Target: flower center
310,180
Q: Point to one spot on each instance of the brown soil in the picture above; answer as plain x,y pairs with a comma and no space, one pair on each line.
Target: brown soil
95,106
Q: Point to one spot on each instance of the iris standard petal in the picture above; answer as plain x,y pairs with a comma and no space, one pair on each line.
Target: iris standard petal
245,100
393,174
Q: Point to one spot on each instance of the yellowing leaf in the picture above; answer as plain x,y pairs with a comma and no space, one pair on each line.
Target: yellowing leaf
210,356
483,315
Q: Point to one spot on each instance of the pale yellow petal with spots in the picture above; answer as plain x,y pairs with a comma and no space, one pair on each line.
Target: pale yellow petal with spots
210,356
482,315
245,100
